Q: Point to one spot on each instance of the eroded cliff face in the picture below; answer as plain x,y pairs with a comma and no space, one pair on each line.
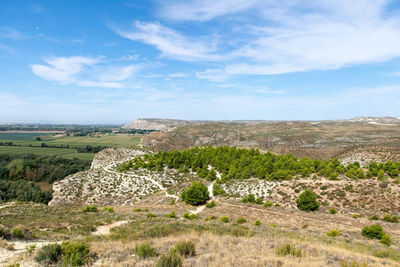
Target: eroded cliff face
102,183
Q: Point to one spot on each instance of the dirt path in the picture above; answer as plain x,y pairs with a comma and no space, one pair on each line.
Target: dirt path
105,229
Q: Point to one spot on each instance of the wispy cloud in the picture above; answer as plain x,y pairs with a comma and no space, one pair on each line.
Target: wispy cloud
72,70
11,33
293,36
203,10
7,49
171,43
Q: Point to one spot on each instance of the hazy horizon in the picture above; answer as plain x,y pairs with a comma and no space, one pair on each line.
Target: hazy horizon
110,62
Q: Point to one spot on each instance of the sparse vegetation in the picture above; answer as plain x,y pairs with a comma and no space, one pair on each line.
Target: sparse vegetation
224,219
332,211
145,250
185,249
212,204
90,208
170,260
333,233
390,218
288,249
241,220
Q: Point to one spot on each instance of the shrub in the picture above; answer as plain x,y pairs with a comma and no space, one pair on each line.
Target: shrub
189,216
288,249
249,199
390,218
185,249
140,210
30,249
241,220
150,215
196,194
332,211
109,209
211,204
257,223
49,254
75,253
259,201
374,217
386,240
268,204
91,208
218,191
145,250
307,201
171,260
18,233
333,233
224,219
172,215
172,202
374,231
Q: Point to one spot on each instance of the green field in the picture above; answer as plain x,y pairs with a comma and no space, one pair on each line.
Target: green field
62,152
27,144
72,141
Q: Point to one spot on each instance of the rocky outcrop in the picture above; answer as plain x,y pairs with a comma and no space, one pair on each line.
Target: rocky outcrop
157,124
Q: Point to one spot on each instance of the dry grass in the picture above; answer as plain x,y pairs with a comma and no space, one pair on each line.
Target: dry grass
215,250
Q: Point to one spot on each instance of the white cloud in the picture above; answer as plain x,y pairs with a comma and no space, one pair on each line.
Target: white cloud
73,70
171,43
62,69
284,36
203,10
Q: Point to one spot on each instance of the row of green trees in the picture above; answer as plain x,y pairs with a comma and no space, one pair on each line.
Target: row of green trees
39,168
235,163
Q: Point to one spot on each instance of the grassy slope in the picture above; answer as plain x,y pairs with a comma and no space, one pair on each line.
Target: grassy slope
217,243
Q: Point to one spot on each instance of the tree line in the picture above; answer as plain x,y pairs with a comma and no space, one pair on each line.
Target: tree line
39,168
235,163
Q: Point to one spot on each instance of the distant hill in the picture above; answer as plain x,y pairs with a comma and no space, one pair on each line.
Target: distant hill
158,124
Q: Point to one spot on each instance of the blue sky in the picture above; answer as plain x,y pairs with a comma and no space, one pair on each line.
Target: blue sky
114,61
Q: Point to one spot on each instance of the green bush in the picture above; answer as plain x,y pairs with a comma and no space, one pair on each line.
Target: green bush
374,217
257,223
224,219
268,204
150,215
241,220
332,211
18,233
171,260
259,201
249,199
374,231
386,240
75,253
189,216
196,194
390,218
333,233
307,201
145,250
185,249
218,191
109,209
140,210
288,249
91,208
49,254
212,204
172,215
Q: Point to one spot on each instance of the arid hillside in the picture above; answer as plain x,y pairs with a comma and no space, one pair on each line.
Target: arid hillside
375,138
